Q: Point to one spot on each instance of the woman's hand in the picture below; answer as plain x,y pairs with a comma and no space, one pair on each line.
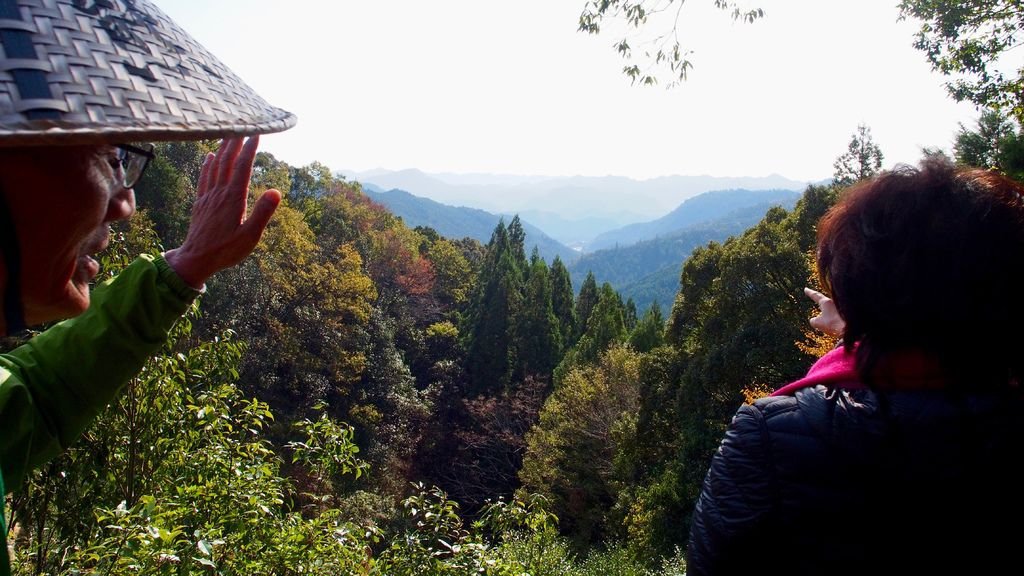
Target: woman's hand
829,321
219,233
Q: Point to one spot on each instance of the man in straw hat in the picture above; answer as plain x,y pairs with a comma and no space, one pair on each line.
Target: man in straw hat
80,81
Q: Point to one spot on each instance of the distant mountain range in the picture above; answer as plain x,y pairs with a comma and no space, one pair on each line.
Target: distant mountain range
706,207
574,209
462,222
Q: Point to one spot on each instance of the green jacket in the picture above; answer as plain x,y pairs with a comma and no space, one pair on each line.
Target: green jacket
53,386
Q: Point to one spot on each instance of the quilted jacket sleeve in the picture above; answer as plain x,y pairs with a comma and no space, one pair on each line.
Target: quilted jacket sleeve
736,501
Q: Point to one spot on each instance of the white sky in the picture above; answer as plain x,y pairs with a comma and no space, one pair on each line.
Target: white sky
510,87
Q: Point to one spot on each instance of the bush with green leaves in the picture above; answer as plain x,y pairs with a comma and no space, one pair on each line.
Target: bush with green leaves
179,479
438,541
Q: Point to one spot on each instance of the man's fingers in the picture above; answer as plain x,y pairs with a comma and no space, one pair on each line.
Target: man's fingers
204,175
243,164
225,162
264,209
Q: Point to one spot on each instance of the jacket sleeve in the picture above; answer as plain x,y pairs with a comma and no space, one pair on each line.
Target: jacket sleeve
736,501
53,386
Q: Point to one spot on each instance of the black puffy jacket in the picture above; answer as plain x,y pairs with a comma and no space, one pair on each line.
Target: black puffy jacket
840,481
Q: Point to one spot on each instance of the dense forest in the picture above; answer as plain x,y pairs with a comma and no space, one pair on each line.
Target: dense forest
361,397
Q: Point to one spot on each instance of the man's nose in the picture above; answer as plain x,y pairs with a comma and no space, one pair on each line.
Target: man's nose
121,205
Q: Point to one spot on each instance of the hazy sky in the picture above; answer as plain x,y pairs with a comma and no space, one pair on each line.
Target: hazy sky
511,87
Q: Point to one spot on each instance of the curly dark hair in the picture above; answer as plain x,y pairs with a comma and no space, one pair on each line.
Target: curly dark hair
930,260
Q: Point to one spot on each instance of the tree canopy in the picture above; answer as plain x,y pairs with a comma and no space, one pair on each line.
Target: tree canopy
966,41
996,143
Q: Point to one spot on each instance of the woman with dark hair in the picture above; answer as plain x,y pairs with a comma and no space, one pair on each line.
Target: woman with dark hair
897,452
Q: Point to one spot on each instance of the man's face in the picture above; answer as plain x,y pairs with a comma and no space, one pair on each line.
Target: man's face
62,201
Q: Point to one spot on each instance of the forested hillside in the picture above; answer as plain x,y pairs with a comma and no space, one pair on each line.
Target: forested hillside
361,397
648,271
706,207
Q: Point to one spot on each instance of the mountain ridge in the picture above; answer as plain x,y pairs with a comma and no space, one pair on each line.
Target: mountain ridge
704,207
572,197
461,221
649,270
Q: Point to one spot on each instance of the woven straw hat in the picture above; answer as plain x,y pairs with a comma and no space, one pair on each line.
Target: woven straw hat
107,71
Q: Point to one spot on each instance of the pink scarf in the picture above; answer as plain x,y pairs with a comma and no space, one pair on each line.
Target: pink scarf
907,370
833,369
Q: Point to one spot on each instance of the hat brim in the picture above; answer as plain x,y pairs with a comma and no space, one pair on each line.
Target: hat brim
83,72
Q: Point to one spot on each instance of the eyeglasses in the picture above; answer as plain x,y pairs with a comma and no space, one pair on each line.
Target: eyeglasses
134,160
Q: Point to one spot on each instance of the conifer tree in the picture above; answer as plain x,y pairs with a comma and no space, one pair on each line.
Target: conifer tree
517,242
539,338
629,314
489,323
649,332
585,303
862,159
562,302
606,325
